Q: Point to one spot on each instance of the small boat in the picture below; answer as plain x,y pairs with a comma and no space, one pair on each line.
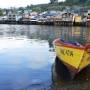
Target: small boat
73,55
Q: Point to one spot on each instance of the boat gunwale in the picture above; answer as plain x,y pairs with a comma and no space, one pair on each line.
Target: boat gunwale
58,42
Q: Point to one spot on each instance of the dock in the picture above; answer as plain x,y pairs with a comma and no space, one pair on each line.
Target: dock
56,23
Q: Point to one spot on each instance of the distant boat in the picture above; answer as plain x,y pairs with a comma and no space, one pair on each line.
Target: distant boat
73,55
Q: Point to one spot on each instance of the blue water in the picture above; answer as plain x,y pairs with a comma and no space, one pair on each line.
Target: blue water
26,56
23,63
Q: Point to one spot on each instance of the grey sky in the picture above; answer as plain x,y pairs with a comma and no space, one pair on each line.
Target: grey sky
18,3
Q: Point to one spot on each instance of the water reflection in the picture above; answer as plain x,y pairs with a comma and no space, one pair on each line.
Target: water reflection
62,80
24,62
26,58
82,81
49,33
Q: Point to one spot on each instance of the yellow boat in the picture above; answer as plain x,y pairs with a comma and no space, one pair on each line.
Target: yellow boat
73,55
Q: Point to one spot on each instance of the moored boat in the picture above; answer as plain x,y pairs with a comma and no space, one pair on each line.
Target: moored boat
73,55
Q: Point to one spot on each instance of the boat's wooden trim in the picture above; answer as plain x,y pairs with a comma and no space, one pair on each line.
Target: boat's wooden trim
60,43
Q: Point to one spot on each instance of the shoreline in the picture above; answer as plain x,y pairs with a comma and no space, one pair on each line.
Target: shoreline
57,23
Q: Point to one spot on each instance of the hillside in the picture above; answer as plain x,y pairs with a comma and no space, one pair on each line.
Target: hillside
83,4
78,2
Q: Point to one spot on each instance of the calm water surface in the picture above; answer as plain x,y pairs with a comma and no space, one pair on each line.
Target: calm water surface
26,56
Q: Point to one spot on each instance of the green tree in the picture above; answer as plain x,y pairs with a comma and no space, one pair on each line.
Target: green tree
78,1
1,12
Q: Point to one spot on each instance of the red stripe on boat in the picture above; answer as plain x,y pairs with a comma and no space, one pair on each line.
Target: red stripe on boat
58,42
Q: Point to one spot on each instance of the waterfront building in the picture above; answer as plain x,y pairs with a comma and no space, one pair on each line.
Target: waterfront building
88,15
3,18
28,16
77,19
67,16
11,15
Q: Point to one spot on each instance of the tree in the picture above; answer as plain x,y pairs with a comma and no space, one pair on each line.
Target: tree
53,1
1,12
78,1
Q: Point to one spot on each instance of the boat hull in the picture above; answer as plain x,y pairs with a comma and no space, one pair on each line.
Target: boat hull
73,57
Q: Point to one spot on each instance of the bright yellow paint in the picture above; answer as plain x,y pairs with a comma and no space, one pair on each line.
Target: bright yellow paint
85,60
78,19
72,56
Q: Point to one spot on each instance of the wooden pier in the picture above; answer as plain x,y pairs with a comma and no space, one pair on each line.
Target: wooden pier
26,22
63,23
56,23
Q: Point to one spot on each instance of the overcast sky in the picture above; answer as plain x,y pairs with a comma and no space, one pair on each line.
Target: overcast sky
19,3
